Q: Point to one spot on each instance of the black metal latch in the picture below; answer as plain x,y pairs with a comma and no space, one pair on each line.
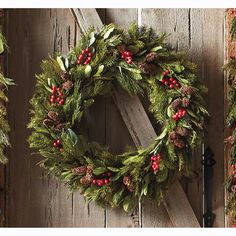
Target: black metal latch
208,163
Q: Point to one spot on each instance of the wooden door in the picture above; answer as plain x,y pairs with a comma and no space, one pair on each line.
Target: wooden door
33,200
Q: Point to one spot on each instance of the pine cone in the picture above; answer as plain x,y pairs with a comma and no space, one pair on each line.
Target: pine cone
234,83
182,131
48,122
121,48
53,115
152,56
187,90
86,180
230,140
81,170
185,102
89,170
65,76
173,136
176,104
128,183
148,69
60,126
67,85
179,143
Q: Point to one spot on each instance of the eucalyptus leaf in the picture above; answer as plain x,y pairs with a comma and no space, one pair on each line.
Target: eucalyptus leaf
88,71
61,63
107,34
99,71
92,38
99,170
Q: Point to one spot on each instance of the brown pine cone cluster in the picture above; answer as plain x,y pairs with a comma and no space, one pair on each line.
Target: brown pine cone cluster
147,66
53,120
176,136
187,90
67,85
178,103
128,183
87,171
65,76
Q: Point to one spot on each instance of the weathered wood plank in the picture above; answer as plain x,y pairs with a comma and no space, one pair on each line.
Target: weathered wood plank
212,62
117,217
129,117
38,201
176,23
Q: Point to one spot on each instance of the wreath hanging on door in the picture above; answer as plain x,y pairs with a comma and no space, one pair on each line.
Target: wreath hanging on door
141,63
4,126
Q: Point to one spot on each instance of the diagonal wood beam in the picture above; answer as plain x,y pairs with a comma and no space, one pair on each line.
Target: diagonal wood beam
142,131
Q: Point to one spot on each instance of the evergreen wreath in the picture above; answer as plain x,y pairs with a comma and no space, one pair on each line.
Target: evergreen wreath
4,126
141,63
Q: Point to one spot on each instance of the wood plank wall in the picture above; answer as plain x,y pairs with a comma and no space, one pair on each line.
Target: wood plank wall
33,200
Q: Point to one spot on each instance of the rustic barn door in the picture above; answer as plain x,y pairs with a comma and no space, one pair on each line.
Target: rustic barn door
36,201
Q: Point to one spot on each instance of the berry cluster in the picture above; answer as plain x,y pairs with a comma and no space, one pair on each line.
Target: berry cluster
57,96
57,144
102,181
155,162
85,57
169,81
233,167
128,56
179,114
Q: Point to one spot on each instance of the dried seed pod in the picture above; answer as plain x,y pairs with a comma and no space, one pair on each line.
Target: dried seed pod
179,143
48,122
187,90
147,68
65,76
182,131
185,102
67,85
176,104
86,180
128,183
173,136
152,56
53,115
81,170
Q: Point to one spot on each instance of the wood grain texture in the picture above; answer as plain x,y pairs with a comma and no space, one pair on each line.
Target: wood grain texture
34,200
37,200
117,217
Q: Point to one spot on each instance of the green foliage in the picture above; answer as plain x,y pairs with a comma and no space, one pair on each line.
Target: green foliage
233,28
132,177
4,127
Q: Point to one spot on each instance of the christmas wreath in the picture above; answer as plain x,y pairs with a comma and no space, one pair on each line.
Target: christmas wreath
4,126
141,63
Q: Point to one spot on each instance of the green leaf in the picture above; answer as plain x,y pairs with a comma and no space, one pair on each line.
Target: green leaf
99,170
71,135
87,71
133,49
161,176
99,71
61,63
113,169
1,46
129,204
169,111
163,134
156,48
107,34
92,38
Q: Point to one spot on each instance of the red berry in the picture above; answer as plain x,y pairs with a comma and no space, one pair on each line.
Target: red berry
62,101
128,54
60,149
55,144
87,50
106,181
54,87
109,174
123,56
58,89
58,99
52,100
174,82
78,62
60,94
166,83
99,183
90,54
86,62
167,72
83,51
80,57
58,141
94,181
171,79
88,59
171,86
177,85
